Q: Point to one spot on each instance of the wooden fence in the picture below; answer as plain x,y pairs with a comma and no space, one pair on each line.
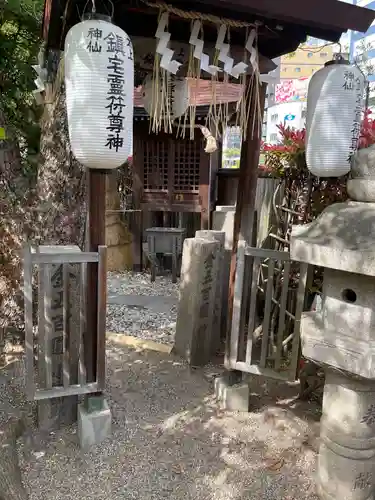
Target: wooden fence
269,298
55,321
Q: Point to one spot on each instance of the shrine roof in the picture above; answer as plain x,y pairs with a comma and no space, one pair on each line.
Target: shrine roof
283,24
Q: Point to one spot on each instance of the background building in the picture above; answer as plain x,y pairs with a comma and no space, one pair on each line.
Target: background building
362,45
305,61
287,99
292,114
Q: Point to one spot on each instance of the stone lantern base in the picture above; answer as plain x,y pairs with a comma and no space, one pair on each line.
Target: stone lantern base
346,464
341,337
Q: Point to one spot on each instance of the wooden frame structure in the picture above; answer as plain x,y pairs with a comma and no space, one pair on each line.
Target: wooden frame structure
243,336
44,263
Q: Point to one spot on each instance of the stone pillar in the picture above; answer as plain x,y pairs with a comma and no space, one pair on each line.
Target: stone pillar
218,323
199,272
222,221
346,464
57,412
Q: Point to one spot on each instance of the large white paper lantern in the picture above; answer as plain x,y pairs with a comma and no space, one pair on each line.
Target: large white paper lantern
333,120
99,79
158,101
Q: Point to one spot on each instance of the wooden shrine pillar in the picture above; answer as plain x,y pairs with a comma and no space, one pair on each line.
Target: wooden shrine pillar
245,206
96,230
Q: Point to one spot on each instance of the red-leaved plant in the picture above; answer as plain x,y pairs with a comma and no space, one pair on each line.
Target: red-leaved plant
289,153
367,134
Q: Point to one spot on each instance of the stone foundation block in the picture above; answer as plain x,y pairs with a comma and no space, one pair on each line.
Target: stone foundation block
232,397
93,427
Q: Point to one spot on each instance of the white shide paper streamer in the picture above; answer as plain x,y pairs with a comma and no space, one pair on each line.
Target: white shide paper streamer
198,50
162,48
253,53
229,68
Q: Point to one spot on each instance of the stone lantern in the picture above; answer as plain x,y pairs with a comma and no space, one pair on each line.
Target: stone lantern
341,337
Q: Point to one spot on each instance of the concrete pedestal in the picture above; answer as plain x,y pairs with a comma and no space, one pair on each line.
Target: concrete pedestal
346,464
93,427
232,395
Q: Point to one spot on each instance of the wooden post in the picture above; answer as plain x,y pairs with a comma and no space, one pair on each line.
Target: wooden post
204,188
96,210
246,193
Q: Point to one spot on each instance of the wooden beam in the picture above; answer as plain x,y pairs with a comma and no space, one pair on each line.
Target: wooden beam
246,192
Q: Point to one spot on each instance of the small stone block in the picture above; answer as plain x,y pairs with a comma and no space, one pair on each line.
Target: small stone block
232,397
93,427
94,403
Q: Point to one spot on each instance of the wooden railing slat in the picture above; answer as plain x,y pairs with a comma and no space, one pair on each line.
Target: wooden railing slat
66,314
48,325
29,334
82,377
101,319
267,314
64,258
252,308
282,315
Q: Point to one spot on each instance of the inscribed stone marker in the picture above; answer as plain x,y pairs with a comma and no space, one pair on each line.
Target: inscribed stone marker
218,323
199,271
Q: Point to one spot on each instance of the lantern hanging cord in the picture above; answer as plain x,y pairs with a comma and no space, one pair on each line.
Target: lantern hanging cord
93,9
316,51
194,16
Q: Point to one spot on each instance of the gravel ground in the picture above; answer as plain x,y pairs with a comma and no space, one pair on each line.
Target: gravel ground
142,323
170,440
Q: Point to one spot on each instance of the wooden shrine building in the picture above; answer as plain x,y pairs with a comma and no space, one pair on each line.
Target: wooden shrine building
174,173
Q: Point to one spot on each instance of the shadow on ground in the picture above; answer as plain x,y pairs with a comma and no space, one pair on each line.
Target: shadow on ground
170,440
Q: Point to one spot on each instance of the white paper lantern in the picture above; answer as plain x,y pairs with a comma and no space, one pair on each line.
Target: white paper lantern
333,120
155,98
99,80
